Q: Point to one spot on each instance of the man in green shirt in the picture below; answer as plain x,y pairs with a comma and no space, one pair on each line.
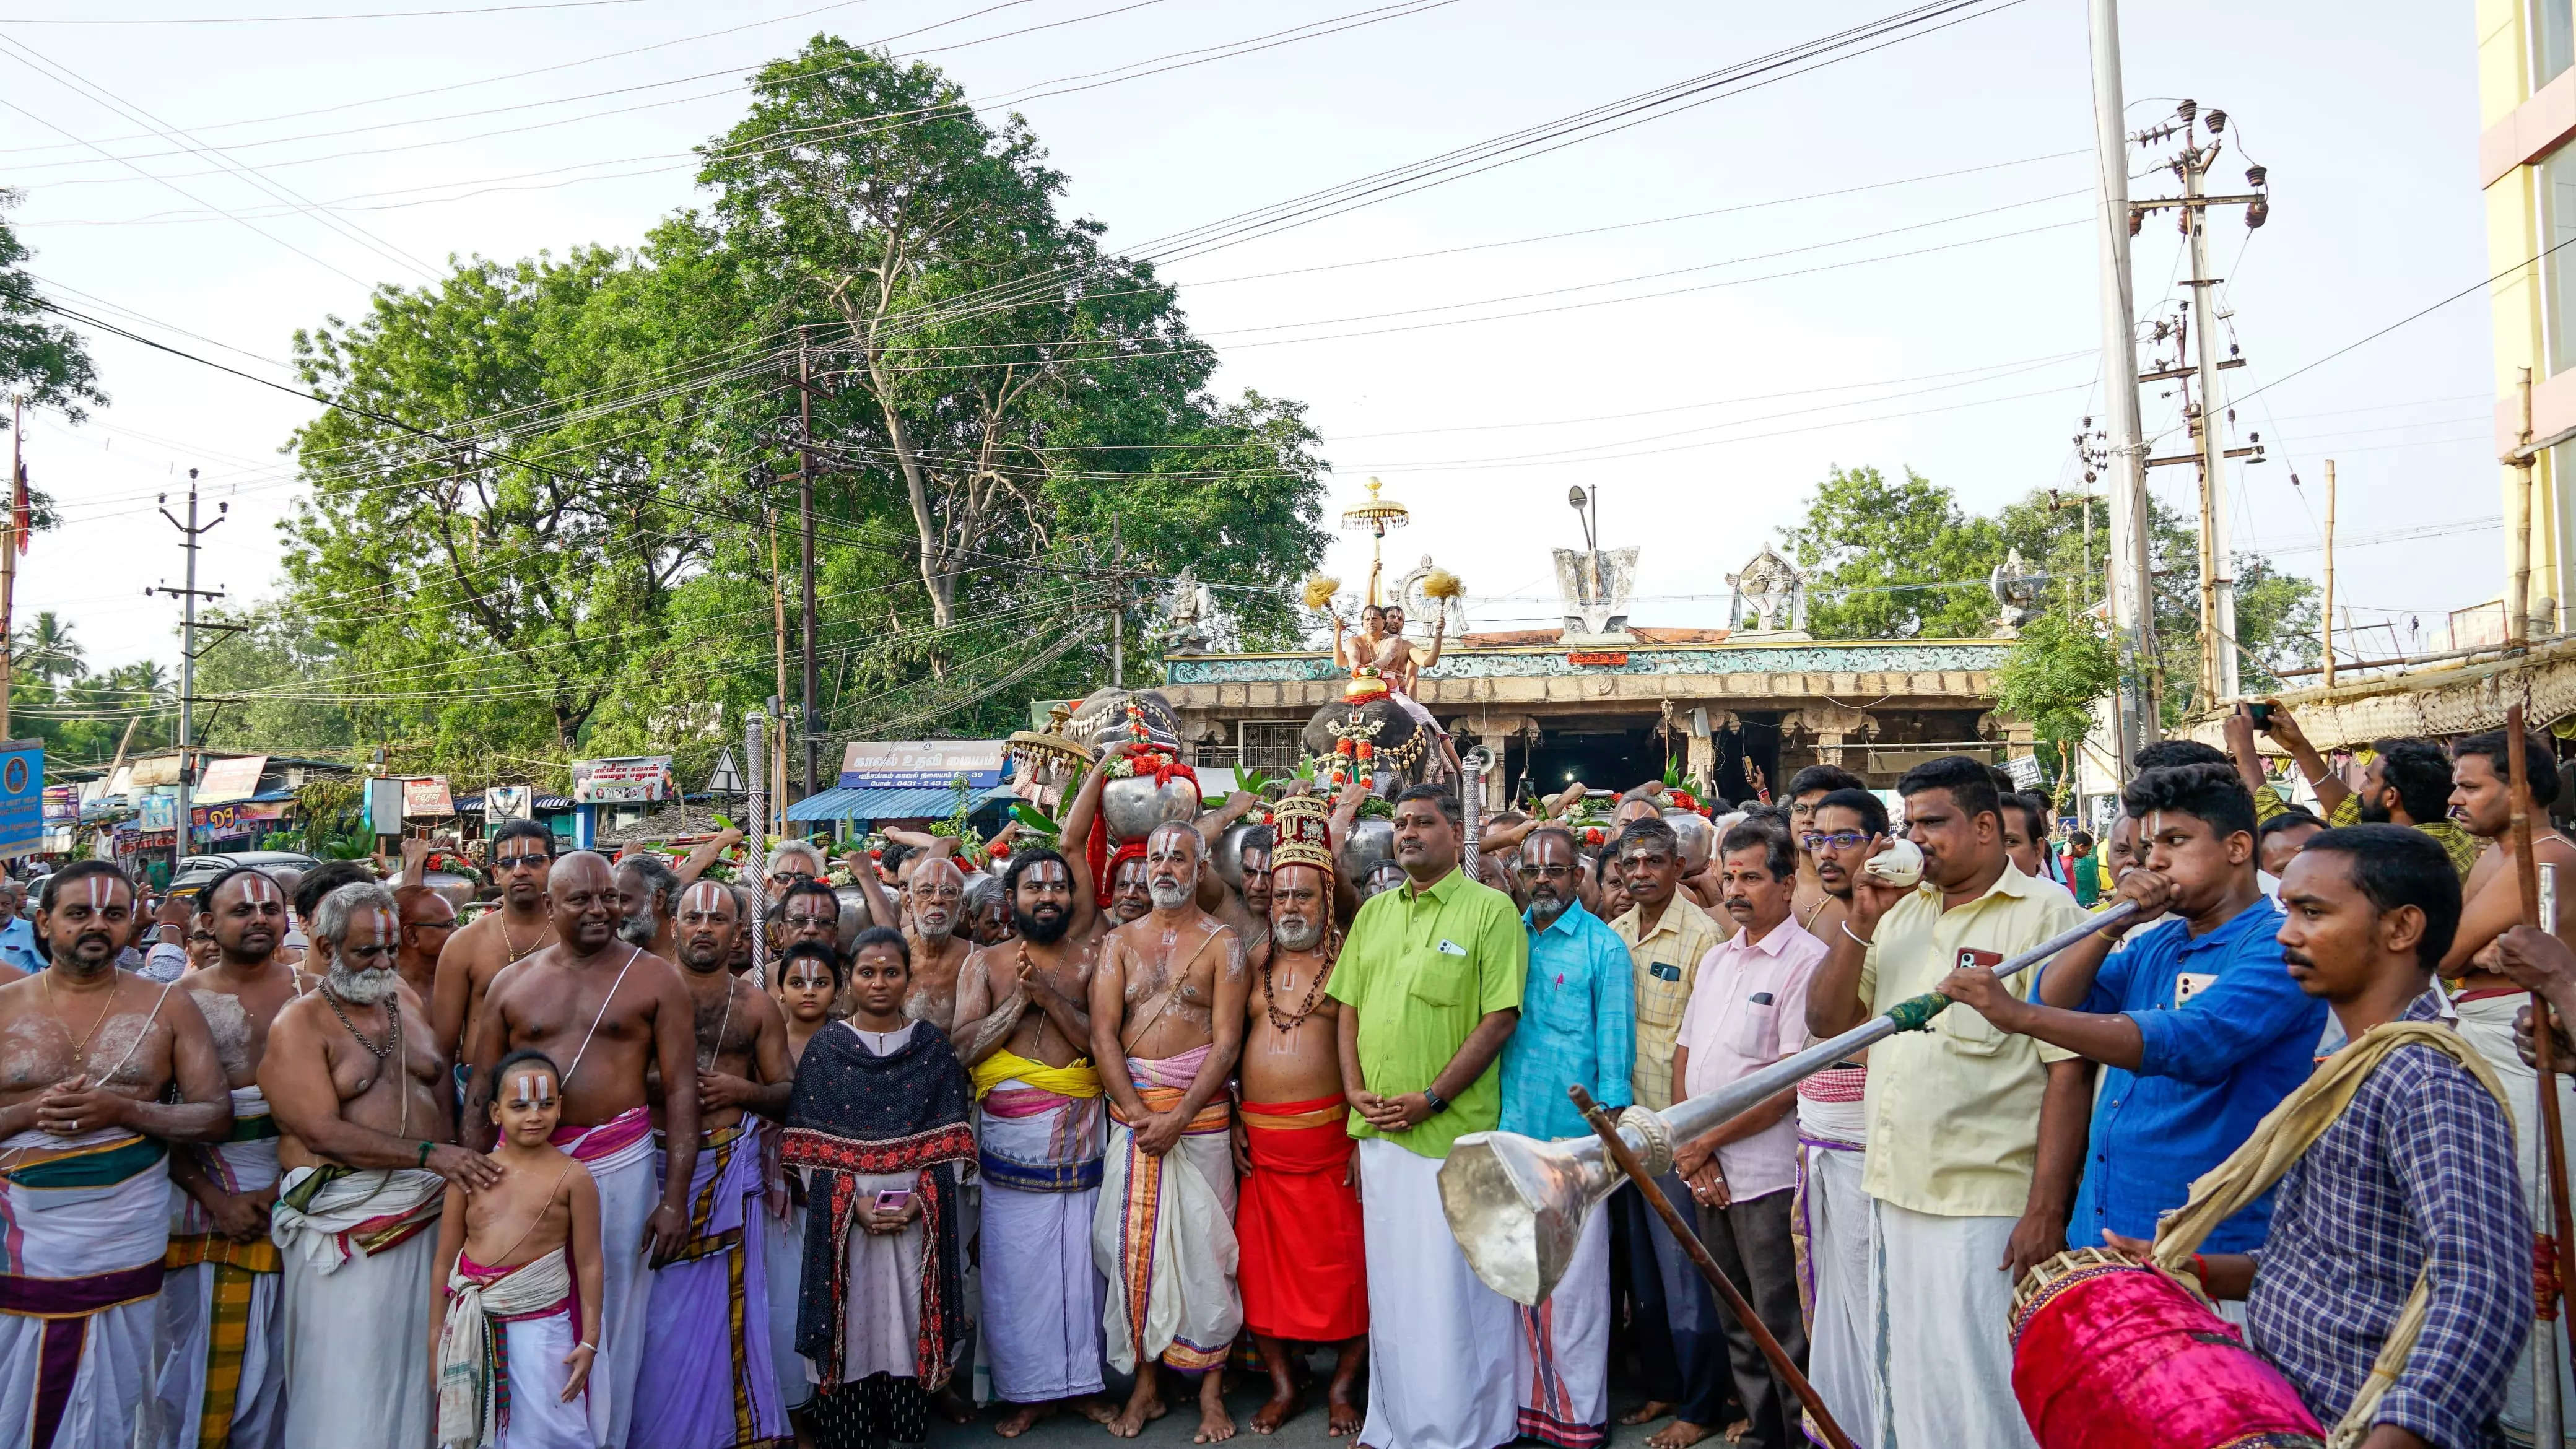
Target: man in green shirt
1430,984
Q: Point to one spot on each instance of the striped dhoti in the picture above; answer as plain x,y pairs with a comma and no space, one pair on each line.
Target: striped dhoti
1164,1234
219,1360
84,1222
708,1381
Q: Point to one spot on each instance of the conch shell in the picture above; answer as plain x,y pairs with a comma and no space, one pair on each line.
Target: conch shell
1900,864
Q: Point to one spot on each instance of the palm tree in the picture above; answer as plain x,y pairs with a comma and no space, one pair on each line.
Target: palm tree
47,650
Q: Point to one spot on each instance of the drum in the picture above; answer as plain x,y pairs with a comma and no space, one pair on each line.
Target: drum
2108,1354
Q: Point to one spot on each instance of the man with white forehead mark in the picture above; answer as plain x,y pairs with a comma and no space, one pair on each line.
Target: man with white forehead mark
87,1053
1167,1003
219,1370
708,1380
367,1141
932,909
607,1010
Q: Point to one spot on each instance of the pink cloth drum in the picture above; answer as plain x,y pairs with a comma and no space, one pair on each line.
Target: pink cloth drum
2111,1355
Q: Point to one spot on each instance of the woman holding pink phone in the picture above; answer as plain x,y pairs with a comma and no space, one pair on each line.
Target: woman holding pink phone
879,1122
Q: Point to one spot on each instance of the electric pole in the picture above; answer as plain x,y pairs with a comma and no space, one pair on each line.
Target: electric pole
2132,591
9,557
1117,607
805,548
2202,406
189,533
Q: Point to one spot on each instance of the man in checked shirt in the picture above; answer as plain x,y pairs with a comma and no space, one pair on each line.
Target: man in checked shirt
2414,1179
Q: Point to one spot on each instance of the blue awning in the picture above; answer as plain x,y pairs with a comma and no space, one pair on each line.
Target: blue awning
847,802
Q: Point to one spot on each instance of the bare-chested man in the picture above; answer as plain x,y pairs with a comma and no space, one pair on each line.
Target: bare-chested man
522,852
707,1343
87,1052
936,895
651,890
1024,1033
361,1095
1247,908
604,1009
219,1242
1166,1025
1304,1271
428,922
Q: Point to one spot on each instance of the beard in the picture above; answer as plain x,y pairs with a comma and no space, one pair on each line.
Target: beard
1170,895
363,988
933,925
2374,812
639,930
1297,933
1041,930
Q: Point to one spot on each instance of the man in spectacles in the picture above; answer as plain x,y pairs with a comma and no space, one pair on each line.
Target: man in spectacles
791,861
1812,902
428,920
523,851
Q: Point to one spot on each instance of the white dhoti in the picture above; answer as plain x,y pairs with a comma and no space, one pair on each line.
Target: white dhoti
1163,1235
501,1371
1561,1356
82,1233
358,1249
619,1154
2487,1023
785,1265
1039,1158
1829,1224
1940,1311
1440,1360
219,1366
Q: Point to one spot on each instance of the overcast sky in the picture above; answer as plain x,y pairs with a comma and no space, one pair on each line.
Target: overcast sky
1703,372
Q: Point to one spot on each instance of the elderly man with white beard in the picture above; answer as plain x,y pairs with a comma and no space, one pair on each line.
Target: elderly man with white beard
651,890
936,894
367,1143
1166,1026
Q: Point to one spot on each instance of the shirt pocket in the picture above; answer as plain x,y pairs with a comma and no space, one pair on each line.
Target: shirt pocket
1756,1033
1437,979
1968,1032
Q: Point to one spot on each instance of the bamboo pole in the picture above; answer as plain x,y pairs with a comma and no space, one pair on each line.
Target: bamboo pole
2327,618
2553,1146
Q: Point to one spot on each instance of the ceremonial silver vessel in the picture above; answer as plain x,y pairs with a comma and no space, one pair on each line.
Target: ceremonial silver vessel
1135,805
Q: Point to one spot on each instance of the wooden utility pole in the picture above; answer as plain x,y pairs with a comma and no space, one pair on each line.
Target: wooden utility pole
1117,607
2327,618
2517,624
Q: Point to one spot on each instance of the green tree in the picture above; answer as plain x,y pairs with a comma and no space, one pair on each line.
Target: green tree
2053,674
1893,560
46,649
40,359
264,685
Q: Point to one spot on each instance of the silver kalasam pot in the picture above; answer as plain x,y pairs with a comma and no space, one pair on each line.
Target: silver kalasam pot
1698,838
1369,842
1133,806
1225,853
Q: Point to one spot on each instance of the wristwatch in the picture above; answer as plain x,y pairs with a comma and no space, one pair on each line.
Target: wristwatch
1437,1103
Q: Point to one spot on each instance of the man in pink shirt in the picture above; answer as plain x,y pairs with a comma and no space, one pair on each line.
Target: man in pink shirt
1748,1009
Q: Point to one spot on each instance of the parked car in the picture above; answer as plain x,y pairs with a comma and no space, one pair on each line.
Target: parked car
196,870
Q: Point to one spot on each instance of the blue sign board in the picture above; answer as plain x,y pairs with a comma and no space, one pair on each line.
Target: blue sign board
22,797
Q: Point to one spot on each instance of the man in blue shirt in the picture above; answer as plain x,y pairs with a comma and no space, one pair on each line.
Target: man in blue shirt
18,937
2202,1028
1578,1024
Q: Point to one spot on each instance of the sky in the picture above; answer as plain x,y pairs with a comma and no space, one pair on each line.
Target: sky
1886,260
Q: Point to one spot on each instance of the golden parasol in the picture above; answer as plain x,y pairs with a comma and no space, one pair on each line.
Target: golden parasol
1375,517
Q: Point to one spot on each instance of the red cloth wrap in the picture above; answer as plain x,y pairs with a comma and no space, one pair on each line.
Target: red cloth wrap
1103,862
2122,1357
1303,1269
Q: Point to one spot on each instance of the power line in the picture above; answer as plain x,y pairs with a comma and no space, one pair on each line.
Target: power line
299,19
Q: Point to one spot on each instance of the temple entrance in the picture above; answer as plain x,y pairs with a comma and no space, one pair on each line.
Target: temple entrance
1615,755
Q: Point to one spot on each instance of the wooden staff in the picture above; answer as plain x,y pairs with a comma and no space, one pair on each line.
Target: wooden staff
2553,1146
1663,1206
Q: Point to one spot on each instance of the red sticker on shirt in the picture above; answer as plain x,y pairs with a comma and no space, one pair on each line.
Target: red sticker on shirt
1971,957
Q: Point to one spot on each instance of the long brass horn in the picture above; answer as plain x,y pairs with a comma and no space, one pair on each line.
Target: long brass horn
1517,1205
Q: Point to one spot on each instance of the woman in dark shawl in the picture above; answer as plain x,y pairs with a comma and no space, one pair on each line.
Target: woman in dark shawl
878,1122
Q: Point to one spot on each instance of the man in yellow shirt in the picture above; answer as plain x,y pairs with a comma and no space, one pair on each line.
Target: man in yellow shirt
1681,1343
1975,1138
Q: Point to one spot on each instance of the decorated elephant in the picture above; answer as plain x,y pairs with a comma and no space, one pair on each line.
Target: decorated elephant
1400,751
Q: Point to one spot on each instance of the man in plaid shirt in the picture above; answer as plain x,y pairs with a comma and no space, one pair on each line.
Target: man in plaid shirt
2414,1179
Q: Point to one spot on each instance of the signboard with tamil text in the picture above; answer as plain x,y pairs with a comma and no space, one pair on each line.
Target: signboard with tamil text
232,822
22,797
921,764
635,779
427,795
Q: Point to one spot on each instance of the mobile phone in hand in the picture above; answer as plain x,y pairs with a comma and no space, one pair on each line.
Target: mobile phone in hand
894,1199
2261,715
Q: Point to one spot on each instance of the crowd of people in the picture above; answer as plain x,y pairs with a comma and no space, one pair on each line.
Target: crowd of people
644,1157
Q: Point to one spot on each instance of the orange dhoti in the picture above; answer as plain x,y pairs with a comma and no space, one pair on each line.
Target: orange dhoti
1304,1271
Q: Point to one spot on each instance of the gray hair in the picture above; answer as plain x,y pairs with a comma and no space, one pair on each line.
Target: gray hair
659,879
981,890
804,848
332,917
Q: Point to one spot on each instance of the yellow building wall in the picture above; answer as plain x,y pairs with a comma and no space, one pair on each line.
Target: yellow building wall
2513,238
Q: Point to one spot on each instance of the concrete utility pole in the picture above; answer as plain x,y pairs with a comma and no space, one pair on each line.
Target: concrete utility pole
2327,618
188,596
2132,593
9,558
805,550
2204,404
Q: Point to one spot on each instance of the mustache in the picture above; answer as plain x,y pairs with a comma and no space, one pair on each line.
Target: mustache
2297,958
